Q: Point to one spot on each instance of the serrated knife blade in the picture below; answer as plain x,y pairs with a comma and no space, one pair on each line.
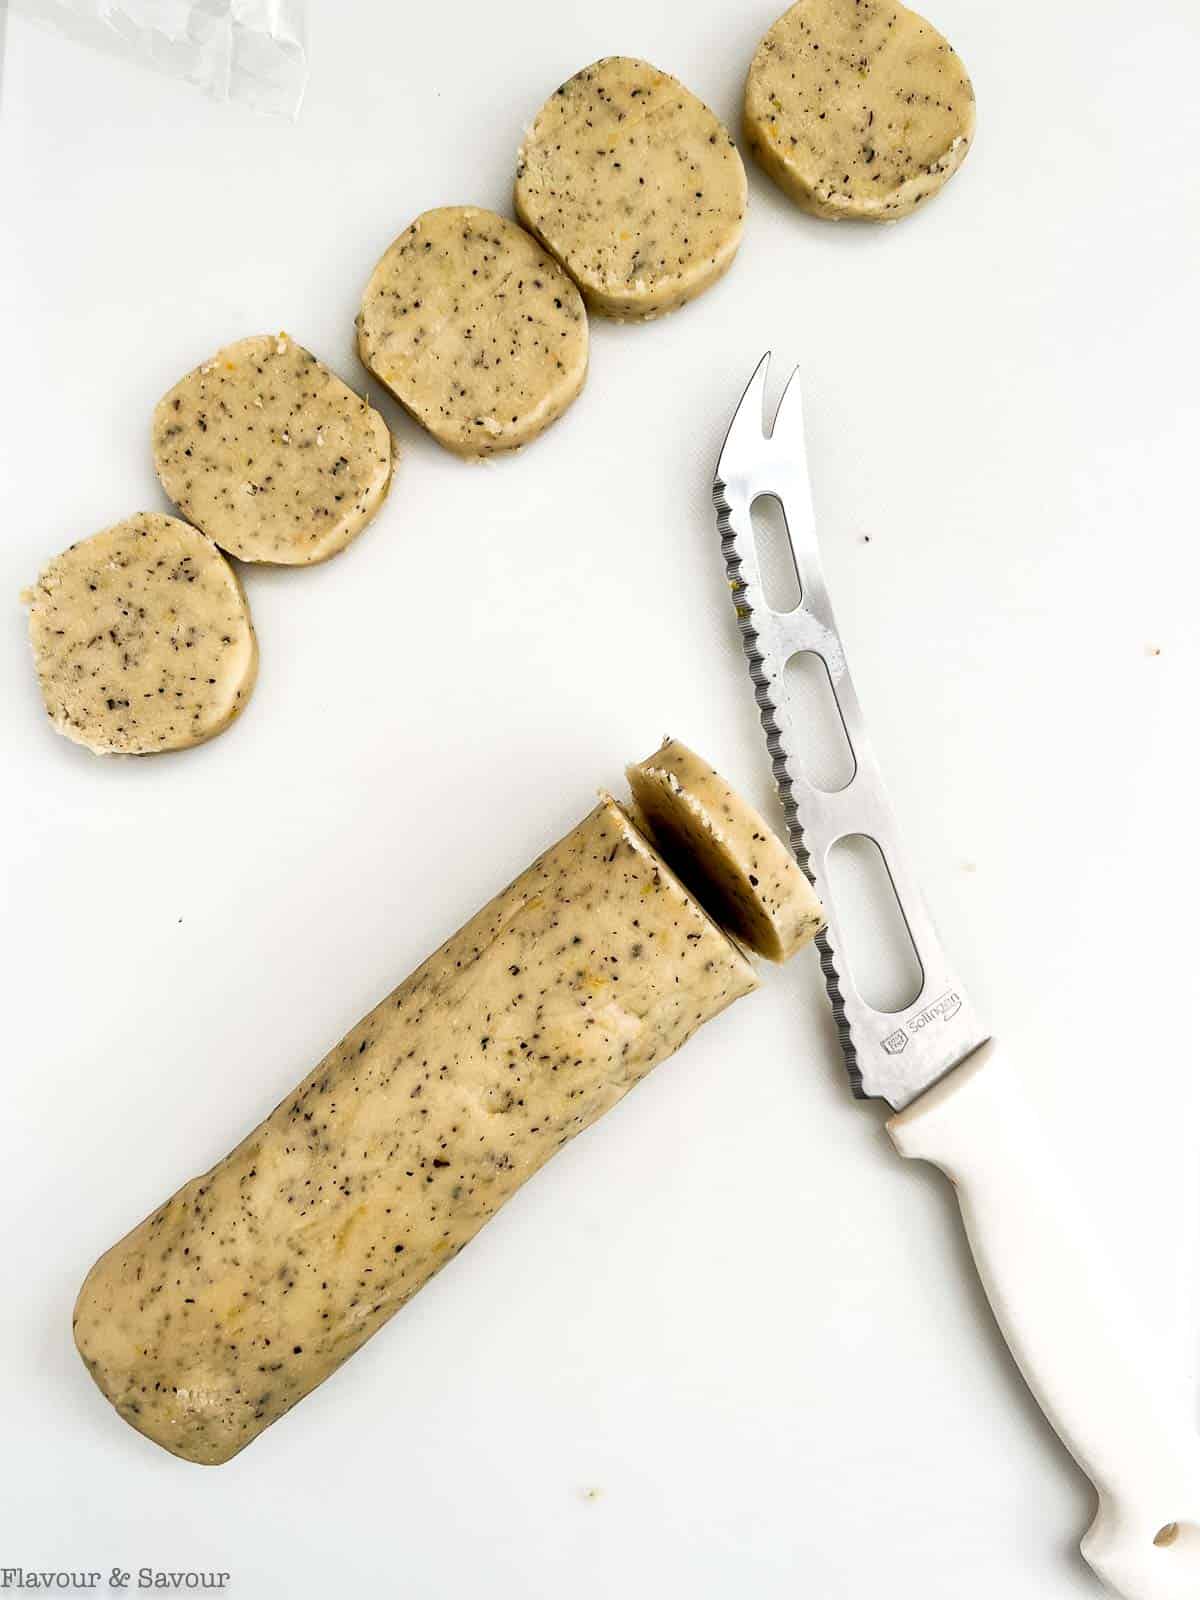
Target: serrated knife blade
1067,1317
892,1056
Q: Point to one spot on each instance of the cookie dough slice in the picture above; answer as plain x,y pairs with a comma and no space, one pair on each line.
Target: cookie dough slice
635,185
858,108
475,330
271,454
725,852
142,638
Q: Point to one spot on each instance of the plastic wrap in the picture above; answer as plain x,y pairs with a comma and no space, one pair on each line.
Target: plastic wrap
250,52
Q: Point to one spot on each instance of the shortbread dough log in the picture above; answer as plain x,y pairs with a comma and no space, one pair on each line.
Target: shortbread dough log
858,108
271,454
635,185
726,852
477,332
142,639
253,1283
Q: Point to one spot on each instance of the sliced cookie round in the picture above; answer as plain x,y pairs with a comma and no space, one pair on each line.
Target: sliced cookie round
271,454
858,108
723,850
142,639
475,330
635,185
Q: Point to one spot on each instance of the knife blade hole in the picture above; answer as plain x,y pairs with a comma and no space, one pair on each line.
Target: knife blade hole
872,931
821,743
776,558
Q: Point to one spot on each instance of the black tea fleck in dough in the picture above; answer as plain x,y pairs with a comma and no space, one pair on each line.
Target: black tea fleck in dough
271,454
142,639
478,333
254,1282
635,185
858,108
725,852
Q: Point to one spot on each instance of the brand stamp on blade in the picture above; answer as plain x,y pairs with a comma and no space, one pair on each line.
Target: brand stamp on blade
940,1010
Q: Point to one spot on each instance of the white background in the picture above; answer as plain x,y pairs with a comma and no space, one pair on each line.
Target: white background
729,1308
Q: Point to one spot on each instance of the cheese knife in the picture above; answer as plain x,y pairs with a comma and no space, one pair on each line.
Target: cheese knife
1061,1309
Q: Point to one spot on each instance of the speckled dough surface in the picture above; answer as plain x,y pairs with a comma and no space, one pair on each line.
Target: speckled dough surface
141,638
635,185
271,454
253,1283
858,108
726,852
475,330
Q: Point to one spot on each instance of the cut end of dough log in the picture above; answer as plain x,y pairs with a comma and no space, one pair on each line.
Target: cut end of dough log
142,639
270,454
477,332
725,852
635,186
858,108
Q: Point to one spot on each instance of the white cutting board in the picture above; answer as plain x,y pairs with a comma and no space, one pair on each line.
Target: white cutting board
729,1309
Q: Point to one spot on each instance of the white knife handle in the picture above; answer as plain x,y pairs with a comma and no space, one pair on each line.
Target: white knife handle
1068,1324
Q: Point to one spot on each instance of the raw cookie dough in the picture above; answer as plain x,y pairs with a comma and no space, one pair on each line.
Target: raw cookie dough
725,852
141,638
257,1280
858,108
271,454
475,330
636,187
